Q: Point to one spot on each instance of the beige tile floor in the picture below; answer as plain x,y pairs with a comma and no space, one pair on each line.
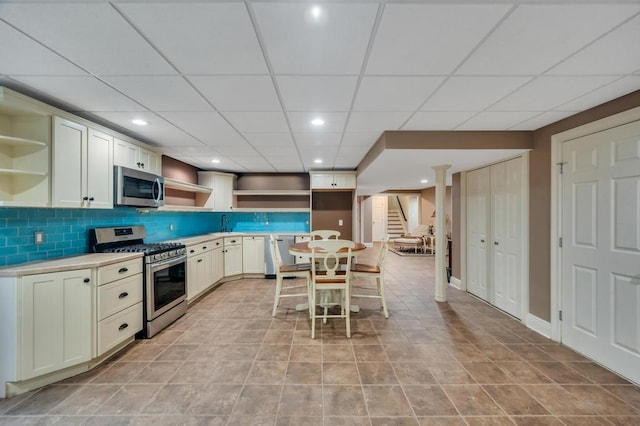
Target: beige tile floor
228,362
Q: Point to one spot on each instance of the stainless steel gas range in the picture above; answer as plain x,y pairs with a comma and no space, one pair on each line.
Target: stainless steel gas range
165,278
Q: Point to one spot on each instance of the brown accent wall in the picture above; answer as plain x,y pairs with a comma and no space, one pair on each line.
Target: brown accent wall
328,207
266,181
540,198
184,172
428,205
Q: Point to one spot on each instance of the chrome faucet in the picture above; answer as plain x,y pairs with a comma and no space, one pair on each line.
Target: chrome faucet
223,219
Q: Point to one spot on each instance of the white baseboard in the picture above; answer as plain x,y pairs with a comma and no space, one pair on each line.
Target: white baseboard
539,325
455,282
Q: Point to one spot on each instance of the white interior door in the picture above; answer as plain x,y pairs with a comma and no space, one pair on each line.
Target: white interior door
600,258
478,190
378,218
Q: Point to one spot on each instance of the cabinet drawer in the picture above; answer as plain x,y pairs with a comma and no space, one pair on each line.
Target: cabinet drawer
196,249
232,241
119,327
116,296
117,271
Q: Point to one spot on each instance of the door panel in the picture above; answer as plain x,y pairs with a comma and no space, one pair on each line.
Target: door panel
601,260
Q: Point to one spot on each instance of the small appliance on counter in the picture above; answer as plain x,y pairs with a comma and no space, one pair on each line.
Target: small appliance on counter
165,272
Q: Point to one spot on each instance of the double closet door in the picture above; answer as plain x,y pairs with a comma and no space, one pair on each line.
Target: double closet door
496,229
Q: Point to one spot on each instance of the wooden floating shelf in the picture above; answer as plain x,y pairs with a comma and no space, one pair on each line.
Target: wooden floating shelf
272,192
185,186
177,208
272,209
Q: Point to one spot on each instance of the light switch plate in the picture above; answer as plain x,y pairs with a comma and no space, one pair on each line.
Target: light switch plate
339,222
38,237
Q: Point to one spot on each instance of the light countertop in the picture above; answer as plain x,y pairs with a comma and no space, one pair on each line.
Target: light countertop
91,260
198,239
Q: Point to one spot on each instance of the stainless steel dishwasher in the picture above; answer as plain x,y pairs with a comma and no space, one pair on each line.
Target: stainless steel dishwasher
284,241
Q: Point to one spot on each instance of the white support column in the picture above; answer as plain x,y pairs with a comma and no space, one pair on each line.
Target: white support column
441,231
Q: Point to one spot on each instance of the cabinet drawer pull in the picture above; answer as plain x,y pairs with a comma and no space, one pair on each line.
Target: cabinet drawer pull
233,241
123,295
122,270
86,280
192,251
123,326
482,241
204,247
217,244
199,260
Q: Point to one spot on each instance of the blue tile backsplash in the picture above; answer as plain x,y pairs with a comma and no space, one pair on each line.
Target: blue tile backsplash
66,230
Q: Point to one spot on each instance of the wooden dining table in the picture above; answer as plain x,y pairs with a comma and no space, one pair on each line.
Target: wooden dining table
303,249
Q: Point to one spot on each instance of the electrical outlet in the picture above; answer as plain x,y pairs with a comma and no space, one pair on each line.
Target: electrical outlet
38,237
340,223
171,227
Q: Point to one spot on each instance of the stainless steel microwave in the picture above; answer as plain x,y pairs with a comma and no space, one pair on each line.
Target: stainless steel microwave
136,188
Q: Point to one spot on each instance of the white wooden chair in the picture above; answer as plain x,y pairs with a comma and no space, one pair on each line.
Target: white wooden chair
327,274
324,234
299,270
363,270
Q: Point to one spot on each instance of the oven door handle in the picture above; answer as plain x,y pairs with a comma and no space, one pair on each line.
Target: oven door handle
167,263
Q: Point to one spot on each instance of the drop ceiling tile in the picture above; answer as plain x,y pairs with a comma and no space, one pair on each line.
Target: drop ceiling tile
201,38
238,93
93,36
297,43
541,120
394,93
258,122
200,151
85,93
236,149
367,139
612,52
353,152
429,38
545,93
472,93
333,121
604,94
209,127
304,140
437,120
325,152
519,47
376,121
317,93
19,55
496,120
161,93
157,130
269,140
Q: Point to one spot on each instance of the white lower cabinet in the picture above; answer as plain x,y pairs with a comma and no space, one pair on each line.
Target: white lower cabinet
253,255
217,256
205,266
232,256
119,303
55,316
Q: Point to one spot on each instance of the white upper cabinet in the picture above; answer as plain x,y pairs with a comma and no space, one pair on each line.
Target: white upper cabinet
25,135
82,166
130,155
221,199
333,180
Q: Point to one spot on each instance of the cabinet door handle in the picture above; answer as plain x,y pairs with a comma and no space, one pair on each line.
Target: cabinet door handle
86,280
123,326
123,295
495,243
85,198
142,165
482,241
138,164
122,270
91,199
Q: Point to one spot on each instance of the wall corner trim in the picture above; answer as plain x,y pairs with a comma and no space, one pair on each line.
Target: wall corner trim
455,283
538,325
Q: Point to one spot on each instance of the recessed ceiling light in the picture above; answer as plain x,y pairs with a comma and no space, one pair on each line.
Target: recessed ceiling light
317,161
424,181
139,122
317,121
215,160
316,12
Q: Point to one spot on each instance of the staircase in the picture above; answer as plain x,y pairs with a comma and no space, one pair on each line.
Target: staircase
395,225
